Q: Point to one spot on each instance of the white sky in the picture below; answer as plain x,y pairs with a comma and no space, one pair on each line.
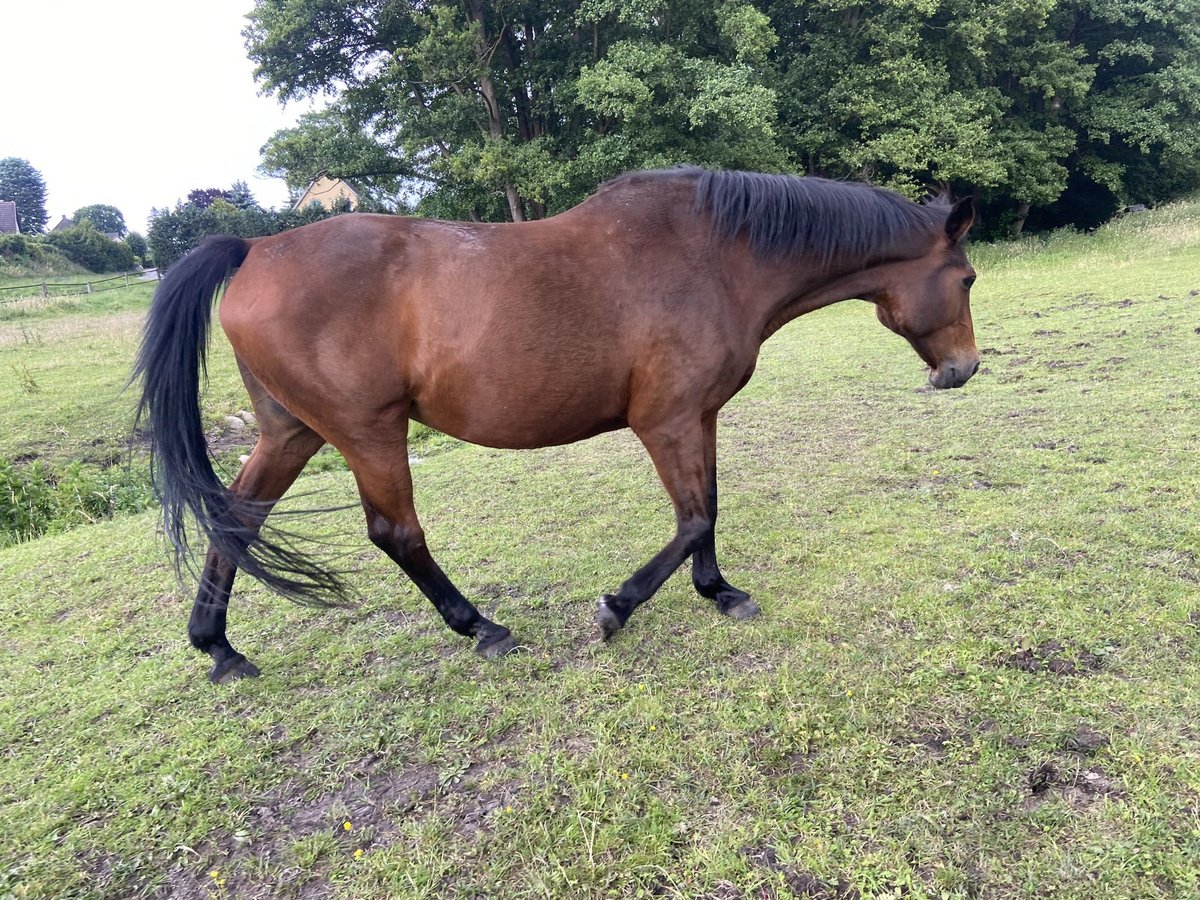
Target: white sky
134,103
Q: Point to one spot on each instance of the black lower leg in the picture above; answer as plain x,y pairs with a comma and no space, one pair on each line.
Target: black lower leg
457,611
407,549
615,609
706,574
206,628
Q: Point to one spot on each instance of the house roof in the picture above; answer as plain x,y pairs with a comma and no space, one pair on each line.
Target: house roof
64,222
8,217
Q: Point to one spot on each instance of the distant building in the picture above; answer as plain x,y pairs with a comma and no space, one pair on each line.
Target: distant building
327,191
64,223
8,217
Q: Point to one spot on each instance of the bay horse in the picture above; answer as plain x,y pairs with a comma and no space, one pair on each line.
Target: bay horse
644,307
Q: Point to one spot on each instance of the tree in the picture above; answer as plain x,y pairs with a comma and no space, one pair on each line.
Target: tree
518,109
137,246
1046,110
1019,103
107,219
205,197
326,141
86,246
241,196
174,232
21,182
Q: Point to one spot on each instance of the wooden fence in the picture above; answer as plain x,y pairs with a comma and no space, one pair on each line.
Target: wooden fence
47,289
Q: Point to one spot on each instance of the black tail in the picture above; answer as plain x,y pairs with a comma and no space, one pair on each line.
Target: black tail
170,363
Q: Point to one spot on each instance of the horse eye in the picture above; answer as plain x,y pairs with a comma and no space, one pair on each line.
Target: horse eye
968,281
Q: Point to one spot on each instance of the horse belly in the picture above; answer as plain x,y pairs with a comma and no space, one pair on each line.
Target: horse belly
517,407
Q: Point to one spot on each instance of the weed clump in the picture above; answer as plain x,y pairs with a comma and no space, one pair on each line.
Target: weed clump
35,500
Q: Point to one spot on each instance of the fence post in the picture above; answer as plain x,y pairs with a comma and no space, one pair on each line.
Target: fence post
45,291
89,285
126,279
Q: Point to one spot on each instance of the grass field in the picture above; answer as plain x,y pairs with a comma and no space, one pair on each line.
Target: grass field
976,674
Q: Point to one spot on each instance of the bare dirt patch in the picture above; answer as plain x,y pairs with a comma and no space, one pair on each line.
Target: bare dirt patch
1079,789
799,884
1053,657
256,860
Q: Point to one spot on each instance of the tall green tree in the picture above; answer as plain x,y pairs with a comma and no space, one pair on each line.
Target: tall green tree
1015,102
1140,123
328,141
173,232
105,218
516,108
241,196
21,182
1049,111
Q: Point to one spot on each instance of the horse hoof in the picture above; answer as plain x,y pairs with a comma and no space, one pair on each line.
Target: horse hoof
233,668
747,609
491,647
607,620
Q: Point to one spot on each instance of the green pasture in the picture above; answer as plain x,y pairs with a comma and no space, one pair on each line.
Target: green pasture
976,673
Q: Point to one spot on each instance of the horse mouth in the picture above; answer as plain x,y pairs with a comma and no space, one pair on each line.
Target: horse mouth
953,376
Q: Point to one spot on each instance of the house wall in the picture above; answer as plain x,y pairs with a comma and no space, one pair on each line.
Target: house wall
8,217
327,191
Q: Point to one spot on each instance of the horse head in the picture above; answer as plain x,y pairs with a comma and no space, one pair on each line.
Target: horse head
927,301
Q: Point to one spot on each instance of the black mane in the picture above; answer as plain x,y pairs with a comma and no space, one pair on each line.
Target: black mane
783,215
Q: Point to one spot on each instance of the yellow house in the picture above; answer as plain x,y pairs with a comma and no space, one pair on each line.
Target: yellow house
327,191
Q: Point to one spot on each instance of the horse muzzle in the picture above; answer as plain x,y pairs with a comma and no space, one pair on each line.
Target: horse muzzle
953,375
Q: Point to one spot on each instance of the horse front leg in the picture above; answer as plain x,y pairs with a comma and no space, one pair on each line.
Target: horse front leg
677,451
706,574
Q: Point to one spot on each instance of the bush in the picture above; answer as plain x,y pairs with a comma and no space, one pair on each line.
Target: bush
174,233
87,247
35,501
14,245
137,246
21,255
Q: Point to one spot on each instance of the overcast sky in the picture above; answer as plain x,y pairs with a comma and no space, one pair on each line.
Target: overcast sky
134,103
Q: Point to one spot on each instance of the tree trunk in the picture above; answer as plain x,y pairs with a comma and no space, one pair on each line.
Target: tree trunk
1022,214
488,89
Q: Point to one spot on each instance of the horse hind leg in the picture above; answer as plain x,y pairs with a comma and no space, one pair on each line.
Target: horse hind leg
385,485
284,446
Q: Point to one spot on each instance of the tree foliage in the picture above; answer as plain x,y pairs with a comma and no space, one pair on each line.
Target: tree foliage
1017,102
241,196
105,218
174,232
137,246
87,247
517,108
203,198
21,182
325,142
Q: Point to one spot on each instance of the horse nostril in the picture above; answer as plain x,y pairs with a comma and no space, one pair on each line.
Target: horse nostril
976,369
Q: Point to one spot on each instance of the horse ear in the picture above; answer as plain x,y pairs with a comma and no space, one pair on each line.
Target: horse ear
960,220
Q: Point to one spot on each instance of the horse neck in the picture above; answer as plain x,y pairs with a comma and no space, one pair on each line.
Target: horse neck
788,290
